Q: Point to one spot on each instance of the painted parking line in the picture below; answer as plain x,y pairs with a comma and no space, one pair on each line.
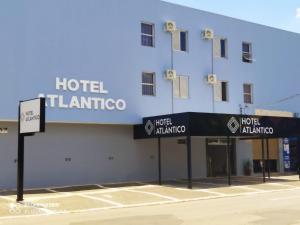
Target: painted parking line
156,194
116,189
57,195
53,191
102,199
284,185
250,188
212,192
7,198
132,205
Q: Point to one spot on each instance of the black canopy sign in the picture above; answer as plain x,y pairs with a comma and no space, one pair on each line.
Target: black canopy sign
213,124
165,126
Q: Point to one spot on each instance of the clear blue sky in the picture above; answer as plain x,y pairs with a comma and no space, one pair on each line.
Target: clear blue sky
283,14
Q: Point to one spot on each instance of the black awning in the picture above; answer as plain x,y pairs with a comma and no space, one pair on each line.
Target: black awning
215,124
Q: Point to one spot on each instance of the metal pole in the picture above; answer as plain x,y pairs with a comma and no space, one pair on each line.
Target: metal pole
172,67
159,162
268,160
212,71
263,159
228,162
189,161
20,169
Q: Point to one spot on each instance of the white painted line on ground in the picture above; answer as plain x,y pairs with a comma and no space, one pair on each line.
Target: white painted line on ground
107,196
100,186
53,191
101,199
155,194
211,192
111,190
285,185
149,203
137,205
59,195
183,189
250,188
209,184
7,198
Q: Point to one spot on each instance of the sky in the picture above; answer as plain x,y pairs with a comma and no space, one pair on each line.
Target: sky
282,14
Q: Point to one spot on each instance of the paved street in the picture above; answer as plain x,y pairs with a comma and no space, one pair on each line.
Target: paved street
211,202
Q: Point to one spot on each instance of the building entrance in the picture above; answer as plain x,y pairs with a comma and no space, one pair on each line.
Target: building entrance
216,156
294,151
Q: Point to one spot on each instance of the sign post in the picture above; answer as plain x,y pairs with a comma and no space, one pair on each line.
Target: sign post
31,120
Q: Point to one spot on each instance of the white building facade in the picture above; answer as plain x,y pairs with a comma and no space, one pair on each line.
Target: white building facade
102,67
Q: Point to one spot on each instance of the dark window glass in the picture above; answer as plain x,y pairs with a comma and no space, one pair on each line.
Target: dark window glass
183,41
148,90
247,99
247,93
148,84
224,91
247,88
147,35
247,55
147,78
147,29
257,165
223,48
246,47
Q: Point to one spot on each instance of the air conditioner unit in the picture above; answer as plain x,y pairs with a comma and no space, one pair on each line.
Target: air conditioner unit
170,26
208,34
212,79
171,74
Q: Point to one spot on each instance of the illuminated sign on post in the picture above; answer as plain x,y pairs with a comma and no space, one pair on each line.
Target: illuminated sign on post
32,116
31,121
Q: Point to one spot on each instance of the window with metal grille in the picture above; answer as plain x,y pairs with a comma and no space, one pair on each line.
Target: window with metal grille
148,84
248,93
147,34
247,52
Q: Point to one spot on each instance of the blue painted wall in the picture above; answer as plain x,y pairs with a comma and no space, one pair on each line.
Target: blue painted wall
100,40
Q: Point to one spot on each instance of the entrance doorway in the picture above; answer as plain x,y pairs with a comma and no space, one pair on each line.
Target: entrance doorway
294,151
216,156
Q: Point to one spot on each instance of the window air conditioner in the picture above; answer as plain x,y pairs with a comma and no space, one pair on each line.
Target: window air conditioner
208,34
212,79
170,26
171,74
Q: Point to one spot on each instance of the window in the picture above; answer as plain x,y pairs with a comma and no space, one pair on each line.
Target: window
180,39
221,91
220,47
147,34
223,43
148,84
247,52
181,87
248,93
224,91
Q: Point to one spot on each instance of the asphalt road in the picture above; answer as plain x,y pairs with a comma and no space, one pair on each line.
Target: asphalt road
274,208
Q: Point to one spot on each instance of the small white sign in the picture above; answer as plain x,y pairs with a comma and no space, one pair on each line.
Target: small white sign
32,116
3,130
